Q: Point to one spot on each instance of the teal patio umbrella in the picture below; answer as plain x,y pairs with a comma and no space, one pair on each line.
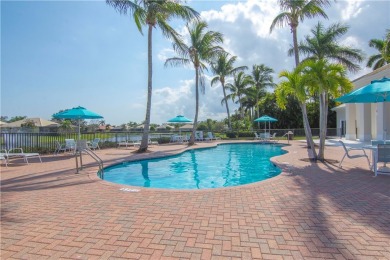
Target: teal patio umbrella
376,92
77,113
179,119
266,119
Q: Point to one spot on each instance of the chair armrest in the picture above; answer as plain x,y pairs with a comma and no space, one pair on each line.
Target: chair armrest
357,149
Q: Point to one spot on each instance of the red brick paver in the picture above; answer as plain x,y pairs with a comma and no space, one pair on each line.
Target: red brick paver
311,210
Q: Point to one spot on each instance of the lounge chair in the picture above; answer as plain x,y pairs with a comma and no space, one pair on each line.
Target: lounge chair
3,156
211,136
152,142
134,141
347,150
59,148
257,136
13,154
383,155
273,138
199,136
70,145
94,144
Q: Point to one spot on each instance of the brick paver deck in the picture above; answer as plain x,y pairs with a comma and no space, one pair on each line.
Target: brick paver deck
310,211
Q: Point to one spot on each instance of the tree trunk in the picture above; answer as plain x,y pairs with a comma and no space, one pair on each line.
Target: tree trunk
227,106
145,137
323,125
192,139
306,126
295,42
241,108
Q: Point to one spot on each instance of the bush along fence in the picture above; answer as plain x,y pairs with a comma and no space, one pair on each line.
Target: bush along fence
45,142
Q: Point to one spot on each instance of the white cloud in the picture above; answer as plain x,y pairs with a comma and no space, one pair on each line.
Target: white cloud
351,9
164,54
171,101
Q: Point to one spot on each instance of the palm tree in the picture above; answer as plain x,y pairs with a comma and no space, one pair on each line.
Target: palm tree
294,11
325,78
153,14
202,49
293,84
222,68
262,79
248,101
383,47
323,44
237,89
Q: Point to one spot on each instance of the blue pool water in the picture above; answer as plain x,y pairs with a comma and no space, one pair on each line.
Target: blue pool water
222,166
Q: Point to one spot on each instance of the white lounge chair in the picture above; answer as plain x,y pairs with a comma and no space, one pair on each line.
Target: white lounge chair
94,144
211,136
13,154
347,150
257,136
70,145
199,136
59,148
3,156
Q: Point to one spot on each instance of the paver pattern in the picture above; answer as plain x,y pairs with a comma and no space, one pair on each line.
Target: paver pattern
310,211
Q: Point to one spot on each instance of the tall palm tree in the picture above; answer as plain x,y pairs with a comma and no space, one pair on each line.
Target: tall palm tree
294,84
223,67
294,11
153,14
237,89
262,79
202,49
326,79
324,44
383,47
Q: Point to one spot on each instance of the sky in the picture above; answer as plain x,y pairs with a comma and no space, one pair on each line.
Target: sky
57,55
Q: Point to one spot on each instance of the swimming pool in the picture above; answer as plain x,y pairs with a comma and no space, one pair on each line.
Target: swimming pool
222,166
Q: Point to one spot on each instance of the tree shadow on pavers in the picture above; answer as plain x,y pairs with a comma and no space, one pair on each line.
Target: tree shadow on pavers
342,203
44,181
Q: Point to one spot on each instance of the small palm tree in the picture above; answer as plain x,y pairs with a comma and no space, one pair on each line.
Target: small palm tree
237,89
326,79
201,50
153,14
293,84
323,44
294,11
223,67
383,57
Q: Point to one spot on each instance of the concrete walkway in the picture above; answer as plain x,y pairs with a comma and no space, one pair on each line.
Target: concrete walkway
310,211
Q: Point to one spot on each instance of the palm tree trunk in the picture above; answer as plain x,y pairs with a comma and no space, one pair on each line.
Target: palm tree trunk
145,137
241,108
306,126
295,41
227,106
192,139
323,125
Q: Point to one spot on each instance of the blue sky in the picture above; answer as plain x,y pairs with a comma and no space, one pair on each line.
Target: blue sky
61,54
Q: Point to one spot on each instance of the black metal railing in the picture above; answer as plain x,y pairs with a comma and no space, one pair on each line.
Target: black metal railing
46,142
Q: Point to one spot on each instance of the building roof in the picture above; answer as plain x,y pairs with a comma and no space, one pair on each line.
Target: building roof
39,122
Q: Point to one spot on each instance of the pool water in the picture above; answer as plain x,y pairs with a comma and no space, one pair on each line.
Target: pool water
222,166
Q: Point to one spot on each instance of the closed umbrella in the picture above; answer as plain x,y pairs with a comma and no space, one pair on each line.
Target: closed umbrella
266,119
77,113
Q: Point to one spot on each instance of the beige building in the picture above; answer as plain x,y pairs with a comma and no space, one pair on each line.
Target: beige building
365,121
